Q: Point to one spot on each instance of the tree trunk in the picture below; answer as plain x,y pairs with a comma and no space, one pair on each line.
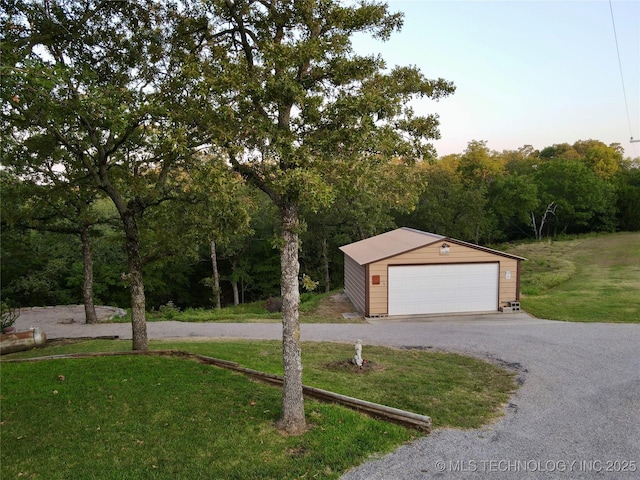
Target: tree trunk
551,209
127,212
292,418
361,232
535,225
325,261
136,284
234,283
87,289
216,275
236,293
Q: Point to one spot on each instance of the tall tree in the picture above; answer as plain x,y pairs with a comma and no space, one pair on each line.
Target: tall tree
602,159
214,210
559,150
97,79
52,205
512,198
448,206
627,182
478,166
580,199
293,99
368,195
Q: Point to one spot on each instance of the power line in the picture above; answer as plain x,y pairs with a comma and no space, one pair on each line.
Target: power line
624,90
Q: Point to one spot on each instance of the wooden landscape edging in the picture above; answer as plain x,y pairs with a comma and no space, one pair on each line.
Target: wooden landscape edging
390,414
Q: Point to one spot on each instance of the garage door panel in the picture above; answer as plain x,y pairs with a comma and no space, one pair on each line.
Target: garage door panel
419,289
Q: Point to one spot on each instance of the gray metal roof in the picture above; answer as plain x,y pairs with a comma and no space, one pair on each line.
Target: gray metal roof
399,241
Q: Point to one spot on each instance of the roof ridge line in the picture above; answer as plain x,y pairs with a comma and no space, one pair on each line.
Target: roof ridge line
415,230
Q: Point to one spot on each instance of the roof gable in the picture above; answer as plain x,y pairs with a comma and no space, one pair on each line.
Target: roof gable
389,244
399,241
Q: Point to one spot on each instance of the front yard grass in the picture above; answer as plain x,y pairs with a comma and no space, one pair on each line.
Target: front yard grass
155,417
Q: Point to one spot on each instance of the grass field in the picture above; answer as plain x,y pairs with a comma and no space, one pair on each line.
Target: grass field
586,279
168,418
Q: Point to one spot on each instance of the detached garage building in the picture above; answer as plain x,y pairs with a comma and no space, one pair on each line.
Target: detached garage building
410,272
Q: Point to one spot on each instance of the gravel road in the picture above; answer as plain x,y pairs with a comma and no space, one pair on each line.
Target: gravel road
576,415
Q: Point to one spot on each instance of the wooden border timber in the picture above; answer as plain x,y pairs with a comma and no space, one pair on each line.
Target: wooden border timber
390,414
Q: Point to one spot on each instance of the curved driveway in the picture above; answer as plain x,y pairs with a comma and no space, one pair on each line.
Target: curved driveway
576,415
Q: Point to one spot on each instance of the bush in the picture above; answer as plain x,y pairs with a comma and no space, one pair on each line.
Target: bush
9,316
169,310
274,305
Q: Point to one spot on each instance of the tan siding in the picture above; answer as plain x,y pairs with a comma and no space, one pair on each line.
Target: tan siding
508,287
354,283
378,294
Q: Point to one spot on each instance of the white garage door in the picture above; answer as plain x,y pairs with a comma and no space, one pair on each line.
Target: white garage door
468,287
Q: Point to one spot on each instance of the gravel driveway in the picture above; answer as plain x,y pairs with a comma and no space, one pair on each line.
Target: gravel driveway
576,415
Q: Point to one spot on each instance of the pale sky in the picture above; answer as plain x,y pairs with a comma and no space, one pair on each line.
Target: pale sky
536,72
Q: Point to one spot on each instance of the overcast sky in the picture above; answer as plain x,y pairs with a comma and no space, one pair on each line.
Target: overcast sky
535,72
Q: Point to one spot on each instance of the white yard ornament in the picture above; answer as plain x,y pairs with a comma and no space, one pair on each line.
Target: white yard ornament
357,358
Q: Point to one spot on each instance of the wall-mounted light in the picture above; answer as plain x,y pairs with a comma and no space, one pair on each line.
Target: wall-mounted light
444,249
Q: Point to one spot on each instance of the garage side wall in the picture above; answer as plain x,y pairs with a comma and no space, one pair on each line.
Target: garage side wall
429,255
355,283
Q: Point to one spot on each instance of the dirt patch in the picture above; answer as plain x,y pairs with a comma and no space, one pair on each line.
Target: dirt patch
347,366
337,306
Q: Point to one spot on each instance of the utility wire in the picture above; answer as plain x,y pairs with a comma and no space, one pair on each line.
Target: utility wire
624,90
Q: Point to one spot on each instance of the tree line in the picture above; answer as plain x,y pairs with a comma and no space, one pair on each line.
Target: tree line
221,249
208,152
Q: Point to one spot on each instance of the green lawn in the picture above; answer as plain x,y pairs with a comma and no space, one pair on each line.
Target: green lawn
155,417
587,279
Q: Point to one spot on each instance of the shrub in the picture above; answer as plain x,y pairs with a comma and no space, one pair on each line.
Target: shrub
8,314
274,305
169,310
